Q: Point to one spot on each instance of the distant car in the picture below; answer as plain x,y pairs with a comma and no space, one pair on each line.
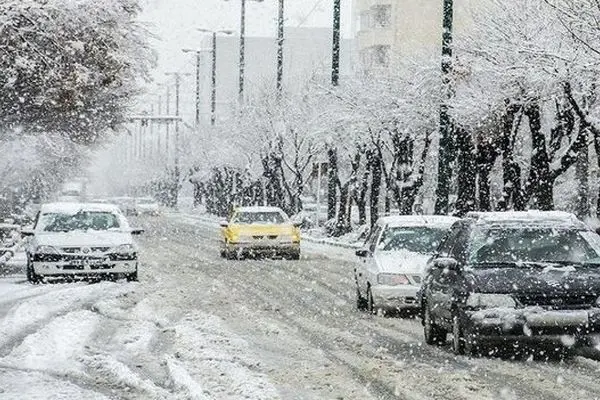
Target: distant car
81,240
126,205
390,265
260,231
147,206
513,277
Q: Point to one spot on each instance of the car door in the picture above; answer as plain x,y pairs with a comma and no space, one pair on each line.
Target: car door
449,282
436,281
364,264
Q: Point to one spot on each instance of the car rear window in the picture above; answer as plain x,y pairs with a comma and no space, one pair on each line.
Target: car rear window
530,244
418,239
261,217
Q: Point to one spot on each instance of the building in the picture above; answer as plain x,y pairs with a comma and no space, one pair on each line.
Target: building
386,30
307,54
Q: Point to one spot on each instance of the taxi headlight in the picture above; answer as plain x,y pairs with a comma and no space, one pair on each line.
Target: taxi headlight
124,249
46,250
490,300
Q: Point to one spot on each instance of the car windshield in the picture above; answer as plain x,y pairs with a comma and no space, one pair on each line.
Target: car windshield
260,217
533,245
418,239
82,220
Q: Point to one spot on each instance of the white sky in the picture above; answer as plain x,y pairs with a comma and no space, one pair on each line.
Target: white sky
175,22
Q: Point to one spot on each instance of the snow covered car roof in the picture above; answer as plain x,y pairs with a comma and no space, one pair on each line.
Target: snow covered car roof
73,208
256,209
529,218
418,220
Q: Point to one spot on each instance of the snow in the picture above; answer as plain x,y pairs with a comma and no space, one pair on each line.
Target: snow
74,208
418,220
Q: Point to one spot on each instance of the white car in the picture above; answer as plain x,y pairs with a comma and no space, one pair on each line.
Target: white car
81,240
147,206
392,262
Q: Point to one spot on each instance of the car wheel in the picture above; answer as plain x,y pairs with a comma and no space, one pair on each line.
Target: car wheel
432,332
458,337
294,256
132,277
32,277
361,302
371,307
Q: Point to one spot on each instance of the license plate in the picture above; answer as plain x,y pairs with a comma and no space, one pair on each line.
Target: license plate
86,263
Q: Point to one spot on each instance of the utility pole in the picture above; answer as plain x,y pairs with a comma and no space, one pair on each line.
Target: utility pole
197,52
168,111
242,51
176,170
213,94
446,151
213,79
280,38
335,56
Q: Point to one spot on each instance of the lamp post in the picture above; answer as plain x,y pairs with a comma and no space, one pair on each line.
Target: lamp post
243,46
213,95
197,52
335,55
280,38
445,156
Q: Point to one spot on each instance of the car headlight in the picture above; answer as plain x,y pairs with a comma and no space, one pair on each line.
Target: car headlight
124,249
46,250
490,300
392,279
296,236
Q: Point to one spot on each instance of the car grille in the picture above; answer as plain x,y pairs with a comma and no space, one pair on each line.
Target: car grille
562,302
95,249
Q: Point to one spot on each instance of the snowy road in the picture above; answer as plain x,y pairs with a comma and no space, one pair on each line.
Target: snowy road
199,327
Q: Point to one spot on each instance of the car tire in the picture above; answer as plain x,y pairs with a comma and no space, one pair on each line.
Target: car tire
294,256
371,307
361,302
458,335
132,277
32,277
434,334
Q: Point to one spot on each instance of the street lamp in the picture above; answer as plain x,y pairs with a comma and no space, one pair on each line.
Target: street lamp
213,97
197,52
243,46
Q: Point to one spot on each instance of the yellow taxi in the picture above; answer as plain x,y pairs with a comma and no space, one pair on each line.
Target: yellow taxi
260,231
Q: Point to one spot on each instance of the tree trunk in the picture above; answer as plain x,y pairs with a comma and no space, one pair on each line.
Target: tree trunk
332,180
486,157
540,183
375,163
465,201
582,208
511,174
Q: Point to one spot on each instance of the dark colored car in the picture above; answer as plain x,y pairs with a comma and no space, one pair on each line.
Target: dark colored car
513,277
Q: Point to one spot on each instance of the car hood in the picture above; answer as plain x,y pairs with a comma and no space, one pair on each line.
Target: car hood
401,261
267,230
80,238
549,280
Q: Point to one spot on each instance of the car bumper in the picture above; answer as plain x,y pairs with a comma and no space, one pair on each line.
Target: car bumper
395,297
68,269
533,322
260,248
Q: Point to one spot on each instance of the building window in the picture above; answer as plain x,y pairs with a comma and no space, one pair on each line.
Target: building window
365,20
376,56
381,55
381,16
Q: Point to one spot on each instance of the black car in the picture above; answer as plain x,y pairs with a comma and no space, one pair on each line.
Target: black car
513,277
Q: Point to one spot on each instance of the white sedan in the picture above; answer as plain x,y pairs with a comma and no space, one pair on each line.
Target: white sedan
81,240
391,264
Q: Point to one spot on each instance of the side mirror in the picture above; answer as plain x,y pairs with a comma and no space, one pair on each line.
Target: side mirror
362,252
137,231
598,230
27,232
446,263
297,224
224,224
